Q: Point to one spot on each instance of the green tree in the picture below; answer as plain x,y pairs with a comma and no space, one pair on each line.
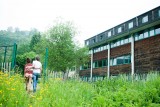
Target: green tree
64,53
61,50
34,40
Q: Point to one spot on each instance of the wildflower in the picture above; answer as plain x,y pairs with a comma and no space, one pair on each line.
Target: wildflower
13,89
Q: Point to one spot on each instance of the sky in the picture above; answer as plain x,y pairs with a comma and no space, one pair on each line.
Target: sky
90,17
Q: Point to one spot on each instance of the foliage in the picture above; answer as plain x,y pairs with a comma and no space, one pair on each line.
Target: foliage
11,36
113,92
21,59
12,91
34,40
63,52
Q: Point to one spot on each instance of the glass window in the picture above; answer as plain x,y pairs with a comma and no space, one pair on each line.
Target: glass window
145,19
111,62
126,40
129,39
102,48
100,63
104,62
140,36
119,29
120,60
122,41
159,13
93,64
127,59
151,32
130,25
87,42
101,37
114,61
118,43
146,34
95,50
157,31
81,67
96,64
136,37
115,44
98,49
112,45
105,47
109,33
94,40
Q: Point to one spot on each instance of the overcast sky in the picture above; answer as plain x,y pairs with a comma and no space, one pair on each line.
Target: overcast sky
89,16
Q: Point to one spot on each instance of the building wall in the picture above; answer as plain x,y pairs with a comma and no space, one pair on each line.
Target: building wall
146,53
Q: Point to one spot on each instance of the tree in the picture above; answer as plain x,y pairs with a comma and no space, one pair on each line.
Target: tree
34,40
63,52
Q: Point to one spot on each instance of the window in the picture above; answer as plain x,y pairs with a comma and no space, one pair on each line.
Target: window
109,33
101,37
95,64
157,31
95,50
111,62
122,41
94,40
130,25
105,47
127,59
112,45
119,29
145,19
99,63
104,62
73,69
114,61
102,48
126,40
146,34
136,37
129,39
118,43
140,36
120,60
151,32
159,13
87,42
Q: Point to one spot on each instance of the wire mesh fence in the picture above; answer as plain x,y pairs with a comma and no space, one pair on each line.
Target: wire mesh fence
7,57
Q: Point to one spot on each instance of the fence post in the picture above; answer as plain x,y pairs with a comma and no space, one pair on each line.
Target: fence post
14,56
45,65
4,61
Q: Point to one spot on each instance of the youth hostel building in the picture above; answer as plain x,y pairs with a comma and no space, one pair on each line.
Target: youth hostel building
132,47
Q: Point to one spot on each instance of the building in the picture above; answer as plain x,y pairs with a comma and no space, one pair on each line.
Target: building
131,47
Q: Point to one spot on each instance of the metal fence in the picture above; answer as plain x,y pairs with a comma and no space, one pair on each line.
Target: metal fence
8,57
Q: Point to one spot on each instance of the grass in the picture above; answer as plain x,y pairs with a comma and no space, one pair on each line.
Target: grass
115,92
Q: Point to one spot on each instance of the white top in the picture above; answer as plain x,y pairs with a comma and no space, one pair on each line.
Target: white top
37,66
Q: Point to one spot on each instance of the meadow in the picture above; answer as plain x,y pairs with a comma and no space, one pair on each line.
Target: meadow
113,92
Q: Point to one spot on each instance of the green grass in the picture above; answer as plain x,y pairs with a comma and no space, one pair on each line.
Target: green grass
113,92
